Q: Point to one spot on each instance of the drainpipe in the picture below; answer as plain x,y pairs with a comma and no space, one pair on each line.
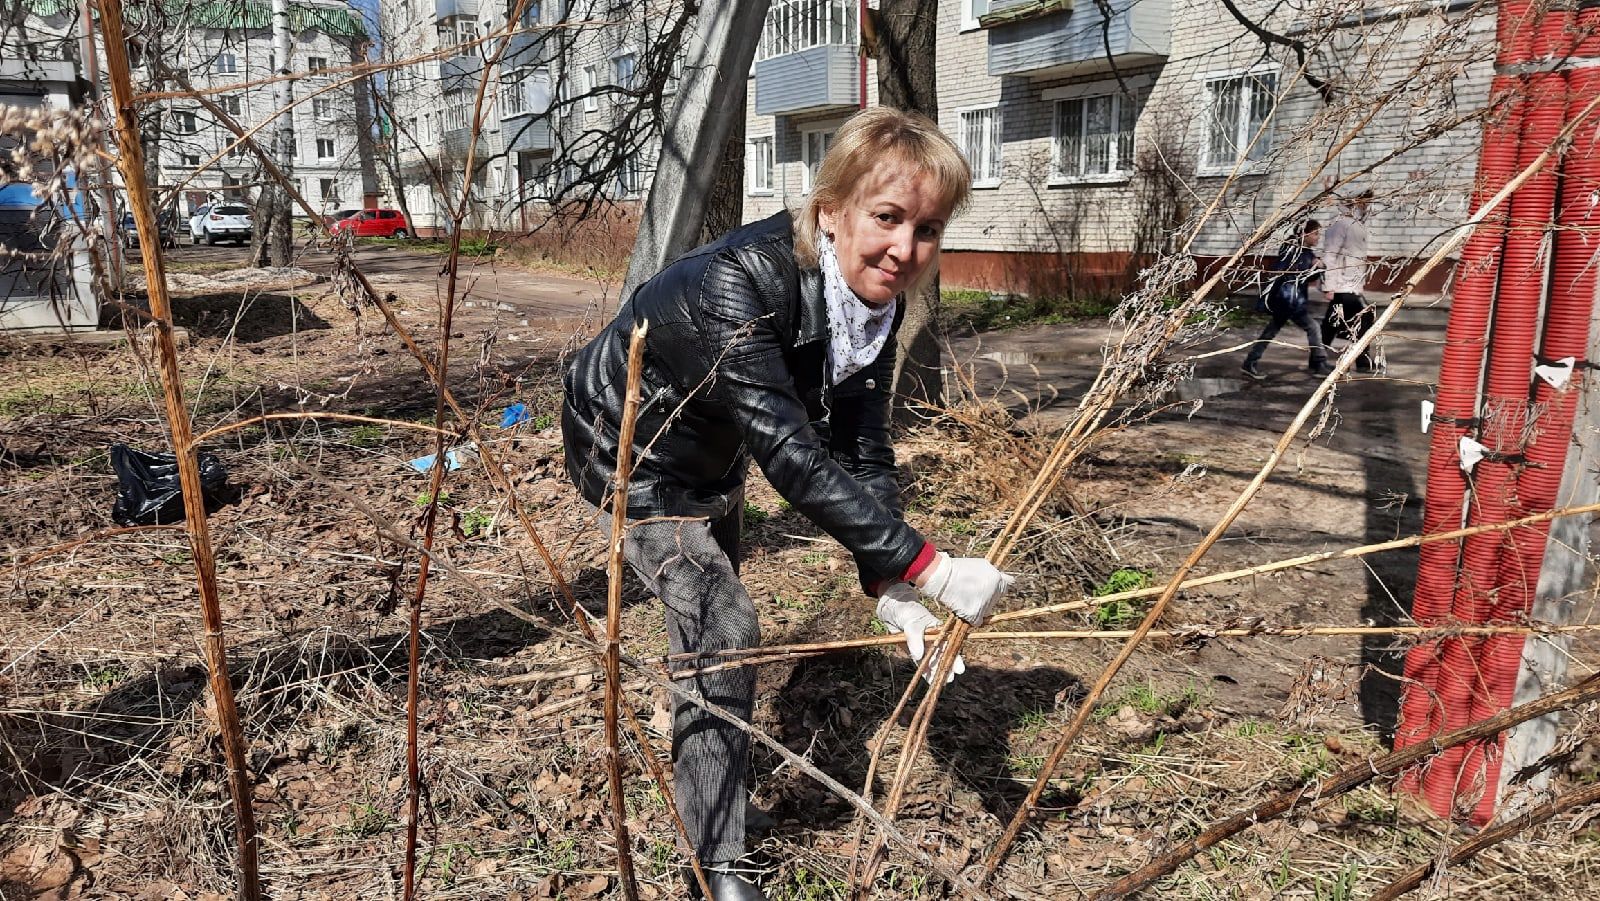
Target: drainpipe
861,53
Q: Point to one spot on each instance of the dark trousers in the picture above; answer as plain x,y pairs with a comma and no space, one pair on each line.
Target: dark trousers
1301,318
692,566
1349,316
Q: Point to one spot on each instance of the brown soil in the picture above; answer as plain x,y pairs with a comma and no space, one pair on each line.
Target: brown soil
113,786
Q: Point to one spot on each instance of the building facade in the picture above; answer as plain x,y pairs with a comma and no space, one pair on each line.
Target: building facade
228,49
1096,132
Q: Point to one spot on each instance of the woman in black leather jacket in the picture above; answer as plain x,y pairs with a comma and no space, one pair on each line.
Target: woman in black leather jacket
774,344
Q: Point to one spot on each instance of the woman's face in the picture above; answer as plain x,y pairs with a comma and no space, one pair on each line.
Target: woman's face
887,234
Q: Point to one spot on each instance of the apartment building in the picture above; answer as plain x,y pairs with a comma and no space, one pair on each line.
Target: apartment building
561,100
229,46
1093,130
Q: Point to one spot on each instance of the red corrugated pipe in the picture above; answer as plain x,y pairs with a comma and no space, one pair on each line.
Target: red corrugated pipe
1456,403
1566,334
1514,326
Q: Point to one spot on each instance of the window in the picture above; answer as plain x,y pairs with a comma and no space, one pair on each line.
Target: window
760,163
813,147
624,65
795,25
1093,137
184,123
630,181
971,10
189,159
456,115
238,151
328,188
227,64
325,150
530,13
316,64
458,31
513,98
591,83
979,139
322,107
1239,119
230,104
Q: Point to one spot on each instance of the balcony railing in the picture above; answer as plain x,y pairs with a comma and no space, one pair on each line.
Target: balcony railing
808,59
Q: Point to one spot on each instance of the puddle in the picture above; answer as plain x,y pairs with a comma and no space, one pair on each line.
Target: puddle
1201,389
1030,357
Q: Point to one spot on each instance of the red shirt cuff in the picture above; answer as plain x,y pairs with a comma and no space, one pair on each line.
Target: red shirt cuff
923,559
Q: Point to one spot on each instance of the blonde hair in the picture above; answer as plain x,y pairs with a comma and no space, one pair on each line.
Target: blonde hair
869,138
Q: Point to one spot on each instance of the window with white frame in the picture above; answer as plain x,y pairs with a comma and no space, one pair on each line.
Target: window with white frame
316,64
1239,119
530,13
227,64
514,94
971,10
237,151
322,107
761,165
457,31
328,188
630,181
813,147
979,140
230,104
591,83
455,115
184,122
189,159
795,25
1094,137
624,66
325,149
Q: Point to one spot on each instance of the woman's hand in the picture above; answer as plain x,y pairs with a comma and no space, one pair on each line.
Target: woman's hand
900,612
968,586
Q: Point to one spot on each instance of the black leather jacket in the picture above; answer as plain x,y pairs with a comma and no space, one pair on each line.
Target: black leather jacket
735,369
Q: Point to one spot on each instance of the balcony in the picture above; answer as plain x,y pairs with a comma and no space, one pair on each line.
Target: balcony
1050,38
808,59
526,124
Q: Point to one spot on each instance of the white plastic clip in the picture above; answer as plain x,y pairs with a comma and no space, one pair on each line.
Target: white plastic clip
1427,416
1557,374
1471,452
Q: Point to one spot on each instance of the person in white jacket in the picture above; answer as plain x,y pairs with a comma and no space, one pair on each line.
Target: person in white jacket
1344,254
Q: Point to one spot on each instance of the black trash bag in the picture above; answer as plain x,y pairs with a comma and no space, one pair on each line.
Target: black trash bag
148,490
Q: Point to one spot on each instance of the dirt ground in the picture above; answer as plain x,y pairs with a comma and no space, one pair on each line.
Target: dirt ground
113,785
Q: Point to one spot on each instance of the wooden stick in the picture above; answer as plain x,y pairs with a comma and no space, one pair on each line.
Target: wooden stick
131,161
1492,836
1346,360
1343,781
613,665
735,657
343,417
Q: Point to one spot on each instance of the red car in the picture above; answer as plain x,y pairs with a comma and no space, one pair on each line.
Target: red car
371,223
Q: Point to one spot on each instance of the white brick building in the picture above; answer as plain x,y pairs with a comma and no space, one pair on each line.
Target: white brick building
230,44
1082,158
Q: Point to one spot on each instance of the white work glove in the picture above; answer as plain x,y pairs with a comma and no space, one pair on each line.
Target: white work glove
900,611
968,586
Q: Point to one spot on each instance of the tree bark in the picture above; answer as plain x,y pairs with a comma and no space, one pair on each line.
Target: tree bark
901,36
725,203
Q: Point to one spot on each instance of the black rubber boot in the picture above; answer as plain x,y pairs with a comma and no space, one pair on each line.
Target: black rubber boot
726,884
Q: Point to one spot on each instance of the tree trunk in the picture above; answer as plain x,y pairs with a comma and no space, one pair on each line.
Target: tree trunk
725,203
366,156
901,36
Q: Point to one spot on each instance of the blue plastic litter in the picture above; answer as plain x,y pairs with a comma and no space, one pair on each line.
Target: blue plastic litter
452,462
513,415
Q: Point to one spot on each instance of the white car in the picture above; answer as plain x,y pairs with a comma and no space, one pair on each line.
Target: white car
220,222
